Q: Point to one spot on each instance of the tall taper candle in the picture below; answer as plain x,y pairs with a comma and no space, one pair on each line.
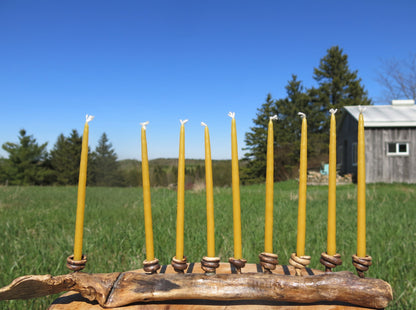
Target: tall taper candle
236,189
180,194
332,187
82,182
300,247
268,226
209,196
361,231
146,197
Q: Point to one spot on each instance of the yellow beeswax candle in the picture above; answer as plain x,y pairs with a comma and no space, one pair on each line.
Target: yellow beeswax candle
300,247
268,226
82,182
332,187
361,233
146,197
180,194
236,189
209,196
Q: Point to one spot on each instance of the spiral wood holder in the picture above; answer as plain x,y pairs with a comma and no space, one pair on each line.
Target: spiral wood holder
151,266
210,264
268,261
238,264
361,264
299,262
180,265
76,265
330,261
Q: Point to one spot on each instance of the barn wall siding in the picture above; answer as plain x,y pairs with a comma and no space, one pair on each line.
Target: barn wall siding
379,166
383,168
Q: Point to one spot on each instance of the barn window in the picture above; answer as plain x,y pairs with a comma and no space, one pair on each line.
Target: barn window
398,148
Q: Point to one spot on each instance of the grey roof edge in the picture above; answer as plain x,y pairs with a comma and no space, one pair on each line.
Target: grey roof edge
385,115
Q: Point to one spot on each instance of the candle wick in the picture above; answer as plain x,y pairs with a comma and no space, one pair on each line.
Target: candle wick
203,124
333,111
144,124
89,118
361,108
231,114
274,117
301,114
183,121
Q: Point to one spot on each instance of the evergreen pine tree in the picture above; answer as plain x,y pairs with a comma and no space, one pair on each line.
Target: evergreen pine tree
27,163
338,85
104,166
65,158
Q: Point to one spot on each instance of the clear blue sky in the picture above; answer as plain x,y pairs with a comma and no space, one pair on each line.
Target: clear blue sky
127,62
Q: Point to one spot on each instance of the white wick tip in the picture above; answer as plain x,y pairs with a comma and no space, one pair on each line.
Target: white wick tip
203,124
303,115
361,108
183,121
89,118
144,124
231,114
274,117
333,111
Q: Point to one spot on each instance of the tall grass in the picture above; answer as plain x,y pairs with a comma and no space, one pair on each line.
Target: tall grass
37,228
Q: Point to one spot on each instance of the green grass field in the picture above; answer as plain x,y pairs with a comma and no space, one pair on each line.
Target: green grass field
37,229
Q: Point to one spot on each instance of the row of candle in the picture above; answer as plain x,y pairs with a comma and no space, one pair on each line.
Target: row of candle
268,239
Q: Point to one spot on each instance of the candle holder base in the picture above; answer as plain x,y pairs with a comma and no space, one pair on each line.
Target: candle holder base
361,264
210,264
76,265
299,262
268,261
330,261
237,263
151,266
180,265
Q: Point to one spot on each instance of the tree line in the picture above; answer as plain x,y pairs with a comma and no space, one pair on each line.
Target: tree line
29,163
337,86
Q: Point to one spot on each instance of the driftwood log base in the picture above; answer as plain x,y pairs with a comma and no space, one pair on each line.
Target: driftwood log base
252,289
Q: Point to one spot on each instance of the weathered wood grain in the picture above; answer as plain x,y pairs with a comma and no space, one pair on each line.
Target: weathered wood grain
132,287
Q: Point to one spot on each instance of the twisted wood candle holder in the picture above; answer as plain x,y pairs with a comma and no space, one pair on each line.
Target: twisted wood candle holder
180,265
361,264
238,264
268,261
76,265
330,261
299,262
151,266
210,264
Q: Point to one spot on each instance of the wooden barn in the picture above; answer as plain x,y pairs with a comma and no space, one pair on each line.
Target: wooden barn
390,142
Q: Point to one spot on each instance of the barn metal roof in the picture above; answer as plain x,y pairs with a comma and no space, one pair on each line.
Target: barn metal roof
396,115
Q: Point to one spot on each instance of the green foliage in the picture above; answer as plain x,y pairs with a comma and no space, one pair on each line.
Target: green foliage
338,86
27,163
103,166
65,158
38,230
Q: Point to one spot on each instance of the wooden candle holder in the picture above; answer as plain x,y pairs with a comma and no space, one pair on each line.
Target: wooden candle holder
76,265
268,261
179,265
361,264
299,262
151,266
330,261
168,289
